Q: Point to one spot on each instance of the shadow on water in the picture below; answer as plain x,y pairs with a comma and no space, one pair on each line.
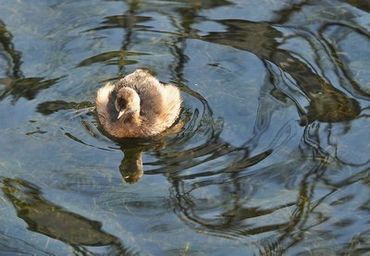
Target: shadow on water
49,219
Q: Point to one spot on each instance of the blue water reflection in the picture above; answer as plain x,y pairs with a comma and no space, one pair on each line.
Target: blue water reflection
272,157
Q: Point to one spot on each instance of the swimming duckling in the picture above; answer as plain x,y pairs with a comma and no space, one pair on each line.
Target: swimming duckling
137,105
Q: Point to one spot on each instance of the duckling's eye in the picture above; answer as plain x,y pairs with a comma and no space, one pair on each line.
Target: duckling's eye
120,103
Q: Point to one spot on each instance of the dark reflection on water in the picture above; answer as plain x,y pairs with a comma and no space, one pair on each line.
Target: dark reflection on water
50,107
327,104
16,84
269,157
52,220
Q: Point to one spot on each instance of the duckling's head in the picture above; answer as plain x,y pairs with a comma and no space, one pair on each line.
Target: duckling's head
127,103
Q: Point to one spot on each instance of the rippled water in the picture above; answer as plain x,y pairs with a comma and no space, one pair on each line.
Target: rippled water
273,158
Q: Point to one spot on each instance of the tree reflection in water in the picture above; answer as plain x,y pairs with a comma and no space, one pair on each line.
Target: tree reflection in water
49,219
15,83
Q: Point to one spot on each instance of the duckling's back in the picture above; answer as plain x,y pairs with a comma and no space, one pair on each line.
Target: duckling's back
160,104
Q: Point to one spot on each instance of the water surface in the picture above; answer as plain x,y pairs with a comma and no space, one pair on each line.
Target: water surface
274,156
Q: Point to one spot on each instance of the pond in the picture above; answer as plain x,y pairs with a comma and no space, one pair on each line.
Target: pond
273,157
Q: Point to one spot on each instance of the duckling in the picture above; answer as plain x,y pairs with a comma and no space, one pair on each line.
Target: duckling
137,106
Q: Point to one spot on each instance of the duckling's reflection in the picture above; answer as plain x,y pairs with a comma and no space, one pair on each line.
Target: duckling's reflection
131,167
52,220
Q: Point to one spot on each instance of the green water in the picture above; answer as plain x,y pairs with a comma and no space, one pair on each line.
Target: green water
274,157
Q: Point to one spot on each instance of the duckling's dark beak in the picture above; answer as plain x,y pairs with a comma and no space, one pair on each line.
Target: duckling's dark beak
120,114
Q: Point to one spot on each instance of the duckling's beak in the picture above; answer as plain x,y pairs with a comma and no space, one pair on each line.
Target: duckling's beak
120,114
